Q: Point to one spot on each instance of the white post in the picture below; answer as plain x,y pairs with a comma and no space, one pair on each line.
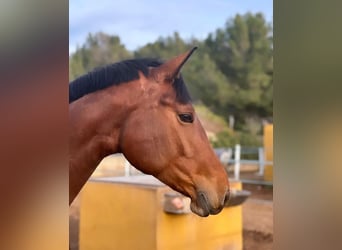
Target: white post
127,167
261,161
237,156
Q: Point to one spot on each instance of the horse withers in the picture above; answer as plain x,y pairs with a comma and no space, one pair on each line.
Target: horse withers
142,108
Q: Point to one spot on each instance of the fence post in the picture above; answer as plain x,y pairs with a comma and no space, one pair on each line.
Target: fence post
261,161
237,155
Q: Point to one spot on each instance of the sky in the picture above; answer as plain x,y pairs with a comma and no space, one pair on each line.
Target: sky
138,22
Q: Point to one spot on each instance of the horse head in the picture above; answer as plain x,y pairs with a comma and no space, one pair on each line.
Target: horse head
164,137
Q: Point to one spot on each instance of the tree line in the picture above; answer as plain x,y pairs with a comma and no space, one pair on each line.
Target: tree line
231,73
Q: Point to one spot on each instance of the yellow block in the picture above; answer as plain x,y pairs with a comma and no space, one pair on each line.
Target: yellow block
127,214
268,147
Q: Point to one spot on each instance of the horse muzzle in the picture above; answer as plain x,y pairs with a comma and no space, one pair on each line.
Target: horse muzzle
203,206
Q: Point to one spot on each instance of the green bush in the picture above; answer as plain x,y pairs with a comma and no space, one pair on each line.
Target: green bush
225,139
246,139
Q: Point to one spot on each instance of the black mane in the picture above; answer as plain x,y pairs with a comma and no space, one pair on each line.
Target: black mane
118,73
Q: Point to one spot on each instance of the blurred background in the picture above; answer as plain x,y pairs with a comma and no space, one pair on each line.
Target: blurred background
230,79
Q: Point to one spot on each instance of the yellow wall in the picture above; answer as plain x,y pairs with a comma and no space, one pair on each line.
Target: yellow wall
191,232
113,216
268,147
130,216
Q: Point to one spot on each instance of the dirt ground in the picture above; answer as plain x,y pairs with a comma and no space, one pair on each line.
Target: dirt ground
257,214
254,240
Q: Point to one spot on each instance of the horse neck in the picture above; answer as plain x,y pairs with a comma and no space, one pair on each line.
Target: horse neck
95,125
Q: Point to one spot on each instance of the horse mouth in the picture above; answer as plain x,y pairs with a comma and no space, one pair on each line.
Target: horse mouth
202,207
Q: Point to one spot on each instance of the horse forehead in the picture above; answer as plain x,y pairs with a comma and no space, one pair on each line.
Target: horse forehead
159,91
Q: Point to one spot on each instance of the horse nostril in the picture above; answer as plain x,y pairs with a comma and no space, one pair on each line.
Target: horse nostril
226,198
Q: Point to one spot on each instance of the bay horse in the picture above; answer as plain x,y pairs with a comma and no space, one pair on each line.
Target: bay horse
142,108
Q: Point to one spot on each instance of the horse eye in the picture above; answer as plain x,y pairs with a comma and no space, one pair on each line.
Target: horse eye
186,118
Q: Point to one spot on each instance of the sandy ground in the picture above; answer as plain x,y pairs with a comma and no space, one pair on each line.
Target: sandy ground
257,214
255,240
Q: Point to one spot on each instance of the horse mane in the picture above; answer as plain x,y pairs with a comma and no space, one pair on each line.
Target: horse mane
118,73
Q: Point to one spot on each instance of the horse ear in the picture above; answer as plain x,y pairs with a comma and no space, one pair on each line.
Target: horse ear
170,70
